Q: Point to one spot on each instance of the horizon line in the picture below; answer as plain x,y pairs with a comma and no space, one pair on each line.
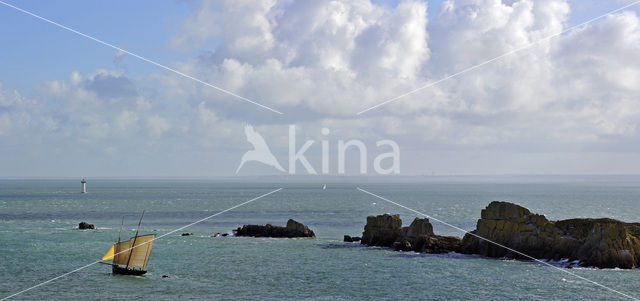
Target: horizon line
309,176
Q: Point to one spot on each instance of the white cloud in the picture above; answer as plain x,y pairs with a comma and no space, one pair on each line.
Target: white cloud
126,120
15,113
395,46
246,26
95,128
321,62
157,125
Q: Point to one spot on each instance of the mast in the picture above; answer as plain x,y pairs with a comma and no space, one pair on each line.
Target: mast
134,240
121,225
118,245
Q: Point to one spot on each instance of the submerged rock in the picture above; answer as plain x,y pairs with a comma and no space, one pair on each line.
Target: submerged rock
349,238
85,226
292,229
603,242
403,245
386,231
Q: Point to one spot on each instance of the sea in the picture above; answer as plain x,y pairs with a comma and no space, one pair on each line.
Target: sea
40,240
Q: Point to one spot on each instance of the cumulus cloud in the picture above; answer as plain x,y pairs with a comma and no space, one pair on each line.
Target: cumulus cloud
157,125
126,120
320,62
246,26
598,90
15,112
328,60
331,57
110,86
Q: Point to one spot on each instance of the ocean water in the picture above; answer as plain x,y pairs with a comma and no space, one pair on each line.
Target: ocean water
39,241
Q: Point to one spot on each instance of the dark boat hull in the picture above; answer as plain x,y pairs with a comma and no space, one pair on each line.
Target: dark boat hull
126,271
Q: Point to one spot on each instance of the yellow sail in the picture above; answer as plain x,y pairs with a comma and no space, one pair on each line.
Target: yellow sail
123,249
109,254
138,255
141,251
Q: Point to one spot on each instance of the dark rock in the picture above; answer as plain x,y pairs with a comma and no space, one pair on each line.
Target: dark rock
403,245
293,229
386,231
165,276
382,230
186,234
420,227
437,244
216,235
85,226
603,243
225,234
349,238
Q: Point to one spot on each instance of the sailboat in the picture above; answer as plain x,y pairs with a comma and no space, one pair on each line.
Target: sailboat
130,257
324,187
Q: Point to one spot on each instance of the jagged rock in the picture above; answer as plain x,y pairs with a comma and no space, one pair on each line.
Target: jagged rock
293,229
382,230
604,243
349,238
420,227
386,231
85,226
298,229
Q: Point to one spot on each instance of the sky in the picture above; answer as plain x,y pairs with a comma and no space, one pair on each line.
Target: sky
72,107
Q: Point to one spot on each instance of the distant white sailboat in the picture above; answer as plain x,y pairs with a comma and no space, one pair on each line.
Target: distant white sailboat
324,187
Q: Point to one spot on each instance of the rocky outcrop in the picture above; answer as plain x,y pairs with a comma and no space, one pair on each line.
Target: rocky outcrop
293,229
511,231
349,238
386,231
382,230
604,243
187,234
86,226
